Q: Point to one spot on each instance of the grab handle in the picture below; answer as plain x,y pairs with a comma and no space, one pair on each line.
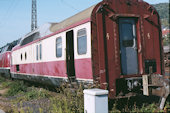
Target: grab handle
134,43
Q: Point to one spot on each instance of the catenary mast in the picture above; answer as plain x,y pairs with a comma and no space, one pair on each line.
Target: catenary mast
34,15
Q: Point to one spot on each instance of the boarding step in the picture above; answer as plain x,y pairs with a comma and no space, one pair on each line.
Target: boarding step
72,79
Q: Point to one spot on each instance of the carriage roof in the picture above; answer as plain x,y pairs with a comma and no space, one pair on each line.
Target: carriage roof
72,20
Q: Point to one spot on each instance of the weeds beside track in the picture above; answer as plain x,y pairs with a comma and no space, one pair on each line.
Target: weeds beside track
19,96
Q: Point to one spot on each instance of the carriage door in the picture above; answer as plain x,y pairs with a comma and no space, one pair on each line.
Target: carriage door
70,54
128,46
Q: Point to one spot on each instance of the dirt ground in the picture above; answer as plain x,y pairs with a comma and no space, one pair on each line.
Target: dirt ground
3,91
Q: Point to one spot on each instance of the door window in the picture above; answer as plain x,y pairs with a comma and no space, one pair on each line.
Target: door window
127,34
129,57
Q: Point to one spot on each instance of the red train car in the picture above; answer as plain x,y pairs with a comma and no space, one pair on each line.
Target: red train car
112,43
5,58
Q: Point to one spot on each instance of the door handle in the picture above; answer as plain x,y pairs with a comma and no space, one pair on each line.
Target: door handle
134,43
68,57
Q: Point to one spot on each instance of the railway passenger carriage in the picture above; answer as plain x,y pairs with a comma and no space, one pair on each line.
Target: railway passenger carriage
47,56
5,58
113,43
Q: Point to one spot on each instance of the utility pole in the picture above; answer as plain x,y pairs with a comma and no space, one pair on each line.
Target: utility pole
34,15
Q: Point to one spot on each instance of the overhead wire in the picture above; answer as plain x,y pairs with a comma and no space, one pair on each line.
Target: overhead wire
69,5
4,18
9,12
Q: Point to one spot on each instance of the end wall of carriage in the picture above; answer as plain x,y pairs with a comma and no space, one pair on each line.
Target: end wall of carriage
106,52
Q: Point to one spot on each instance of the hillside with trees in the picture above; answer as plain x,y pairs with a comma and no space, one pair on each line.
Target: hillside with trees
163,10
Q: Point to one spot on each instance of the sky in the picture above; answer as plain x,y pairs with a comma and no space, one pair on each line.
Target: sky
15,15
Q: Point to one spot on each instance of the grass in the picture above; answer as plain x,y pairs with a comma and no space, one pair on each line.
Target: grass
5,85
71,102
16,88
2,79
36,93
66,100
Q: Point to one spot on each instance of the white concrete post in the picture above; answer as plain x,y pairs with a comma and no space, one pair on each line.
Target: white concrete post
1,111
95,101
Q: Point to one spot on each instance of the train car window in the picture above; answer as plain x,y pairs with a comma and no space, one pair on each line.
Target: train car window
127,33
21,56
37,52
25,56
58,47
82,41
1,50
30,38
40,47
17,68
4,49
10,47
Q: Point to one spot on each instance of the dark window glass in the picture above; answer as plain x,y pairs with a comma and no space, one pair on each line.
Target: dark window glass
4,49
25,56
10,47
82,41
21,56
58,47
17,68
30,38
127,31
37,52
40,51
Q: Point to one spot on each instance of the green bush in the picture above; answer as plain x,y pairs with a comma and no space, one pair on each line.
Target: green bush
36,93
5,84
16,87
2,79
70,101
